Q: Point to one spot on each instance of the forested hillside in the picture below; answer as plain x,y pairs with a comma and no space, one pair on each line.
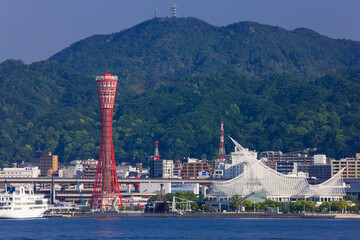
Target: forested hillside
163,49
178,78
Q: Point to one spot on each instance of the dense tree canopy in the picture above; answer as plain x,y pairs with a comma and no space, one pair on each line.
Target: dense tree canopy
178,78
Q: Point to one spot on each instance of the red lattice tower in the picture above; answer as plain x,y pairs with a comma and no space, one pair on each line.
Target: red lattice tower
106,193
156,153
222,153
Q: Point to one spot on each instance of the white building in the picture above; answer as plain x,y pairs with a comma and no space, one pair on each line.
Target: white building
193,160
71,171
259,178
320,159
168,168
238,163
27,172
75,169
124,170
154,187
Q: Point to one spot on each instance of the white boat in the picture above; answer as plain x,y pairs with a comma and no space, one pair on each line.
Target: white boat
22,204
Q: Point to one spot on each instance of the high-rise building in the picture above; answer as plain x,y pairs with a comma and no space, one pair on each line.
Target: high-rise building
26,172
351,165
177,168
168,168
106,193
272,157
316,171
286,168
48,164
156,168
192,169
156,164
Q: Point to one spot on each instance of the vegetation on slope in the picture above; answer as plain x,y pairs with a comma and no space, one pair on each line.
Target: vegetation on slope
280,113
262,81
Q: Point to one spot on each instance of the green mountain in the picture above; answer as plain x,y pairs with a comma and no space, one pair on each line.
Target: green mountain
178,78
163,49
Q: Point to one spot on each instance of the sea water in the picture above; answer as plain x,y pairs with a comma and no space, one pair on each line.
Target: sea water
179,228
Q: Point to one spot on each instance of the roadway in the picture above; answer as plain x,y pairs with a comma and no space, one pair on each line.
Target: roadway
42,180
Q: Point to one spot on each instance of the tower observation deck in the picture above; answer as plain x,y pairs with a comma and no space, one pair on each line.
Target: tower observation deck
106,193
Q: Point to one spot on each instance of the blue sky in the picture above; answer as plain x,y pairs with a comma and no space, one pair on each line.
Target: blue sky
35,30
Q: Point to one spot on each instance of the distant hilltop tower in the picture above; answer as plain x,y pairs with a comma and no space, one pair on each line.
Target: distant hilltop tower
222,154
156,153
155,13
174,11
106,193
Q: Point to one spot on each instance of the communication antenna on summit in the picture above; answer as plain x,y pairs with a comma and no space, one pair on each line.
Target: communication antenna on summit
174,11
155,13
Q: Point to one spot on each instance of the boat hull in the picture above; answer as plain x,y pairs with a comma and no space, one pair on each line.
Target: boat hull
22,214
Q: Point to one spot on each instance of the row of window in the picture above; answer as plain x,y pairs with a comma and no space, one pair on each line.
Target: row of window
106,84
25,203
5,199
12,173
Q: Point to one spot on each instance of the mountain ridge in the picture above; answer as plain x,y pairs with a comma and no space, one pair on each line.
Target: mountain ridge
189,46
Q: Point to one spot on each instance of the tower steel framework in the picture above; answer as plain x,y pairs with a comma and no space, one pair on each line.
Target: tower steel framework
106,193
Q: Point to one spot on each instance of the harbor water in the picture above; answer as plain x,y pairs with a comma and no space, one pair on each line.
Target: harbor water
179,228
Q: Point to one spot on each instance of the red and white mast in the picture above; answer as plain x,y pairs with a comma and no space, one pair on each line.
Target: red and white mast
222,153
156,153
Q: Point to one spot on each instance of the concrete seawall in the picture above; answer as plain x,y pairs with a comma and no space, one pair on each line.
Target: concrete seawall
208,215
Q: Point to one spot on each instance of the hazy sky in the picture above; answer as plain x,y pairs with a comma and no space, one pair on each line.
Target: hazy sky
34,30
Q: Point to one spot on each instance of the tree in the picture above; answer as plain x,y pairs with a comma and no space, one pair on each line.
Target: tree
194,206
270,203
206,208
302,205
153,198
235,202
247,204
265,207
350,197
325,206
339,206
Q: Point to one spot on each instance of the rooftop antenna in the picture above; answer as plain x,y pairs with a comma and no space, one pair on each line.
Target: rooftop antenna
156,153
174,11
222,154
106,68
